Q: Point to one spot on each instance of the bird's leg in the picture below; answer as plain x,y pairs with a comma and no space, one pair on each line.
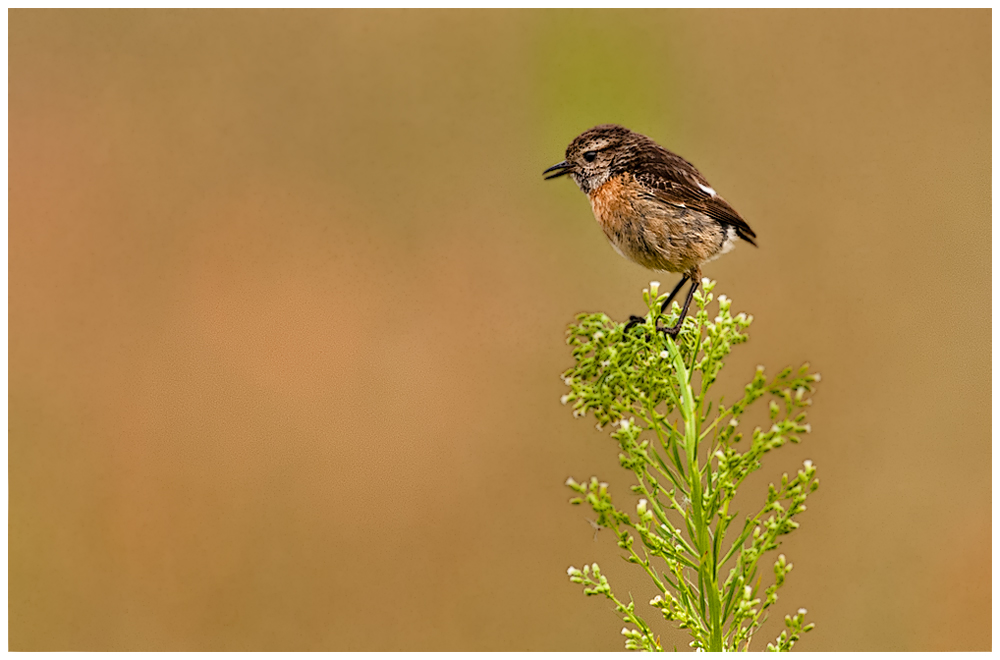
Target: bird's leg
670,298
672,331
635,320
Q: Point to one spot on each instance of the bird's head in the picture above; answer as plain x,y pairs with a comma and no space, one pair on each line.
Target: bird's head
596,154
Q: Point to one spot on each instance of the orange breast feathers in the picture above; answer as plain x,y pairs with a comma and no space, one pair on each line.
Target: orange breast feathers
612,203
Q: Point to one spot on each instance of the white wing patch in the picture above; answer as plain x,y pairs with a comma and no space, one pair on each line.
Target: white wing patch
709,189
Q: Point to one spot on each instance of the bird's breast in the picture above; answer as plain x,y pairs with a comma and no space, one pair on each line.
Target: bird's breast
617,211
612,204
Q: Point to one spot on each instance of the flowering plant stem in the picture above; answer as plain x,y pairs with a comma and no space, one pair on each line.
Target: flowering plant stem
688,464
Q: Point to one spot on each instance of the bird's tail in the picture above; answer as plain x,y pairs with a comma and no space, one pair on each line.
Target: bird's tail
747,234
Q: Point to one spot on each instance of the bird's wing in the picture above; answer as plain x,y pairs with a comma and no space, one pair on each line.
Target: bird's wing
675,181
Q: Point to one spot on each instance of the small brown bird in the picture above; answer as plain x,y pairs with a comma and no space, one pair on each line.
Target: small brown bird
654,206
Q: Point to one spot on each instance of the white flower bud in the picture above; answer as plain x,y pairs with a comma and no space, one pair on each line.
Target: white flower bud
664,354
808,464
571,570
802,611
564,398
734,422
625,425
816,378
641,507
807,428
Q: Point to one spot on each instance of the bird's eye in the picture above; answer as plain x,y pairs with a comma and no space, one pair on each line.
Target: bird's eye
589,156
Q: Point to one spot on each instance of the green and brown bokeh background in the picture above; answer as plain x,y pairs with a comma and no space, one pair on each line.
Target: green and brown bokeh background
288,297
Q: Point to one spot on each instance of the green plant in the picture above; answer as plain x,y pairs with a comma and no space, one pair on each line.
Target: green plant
688,462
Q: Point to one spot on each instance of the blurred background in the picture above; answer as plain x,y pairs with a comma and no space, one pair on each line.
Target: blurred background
288,297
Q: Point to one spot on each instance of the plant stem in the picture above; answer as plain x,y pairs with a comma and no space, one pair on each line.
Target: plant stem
706,555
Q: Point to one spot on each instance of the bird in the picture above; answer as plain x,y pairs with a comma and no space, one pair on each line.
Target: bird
654,207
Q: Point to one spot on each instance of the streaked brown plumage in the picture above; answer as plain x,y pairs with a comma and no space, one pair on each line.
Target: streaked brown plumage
655,208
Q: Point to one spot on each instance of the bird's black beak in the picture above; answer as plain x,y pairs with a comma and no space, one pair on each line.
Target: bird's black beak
559,169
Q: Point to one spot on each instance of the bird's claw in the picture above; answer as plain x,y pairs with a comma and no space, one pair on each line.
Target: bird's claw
673,331
632,322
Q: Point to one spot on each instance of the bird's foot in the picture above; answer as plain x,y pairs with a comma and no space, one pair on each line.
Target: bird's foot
673,331
632,322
